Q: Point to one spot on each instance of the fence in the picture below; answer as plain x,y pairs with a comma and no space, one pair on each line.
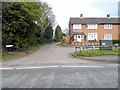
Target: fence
84,43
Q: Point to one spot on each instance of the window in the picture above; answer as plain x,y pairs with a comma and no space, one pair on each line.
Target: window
76,26
108,26
108,37
92,26
92,36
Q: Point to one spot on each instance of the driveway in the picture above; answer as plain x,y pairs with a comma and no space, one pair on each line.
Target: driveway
48,54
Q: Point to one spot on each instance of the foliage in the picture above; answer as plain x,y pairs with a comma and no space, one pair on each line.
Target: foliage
90,53
116,41
19,53
24,24
72,38
63,39
48,34
58,33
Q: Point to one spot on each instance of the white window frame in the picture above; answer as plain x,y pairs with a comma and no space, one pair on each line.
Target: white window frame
92,26
107,26
107,36
92,36
76,26
75,36
82,36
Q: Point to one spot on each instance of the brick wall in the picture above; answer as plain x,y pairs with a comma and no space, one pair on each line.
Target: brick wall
100,31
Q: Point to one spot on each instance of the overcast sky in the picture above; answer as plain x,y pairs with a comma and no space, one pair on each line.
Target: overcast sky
64,9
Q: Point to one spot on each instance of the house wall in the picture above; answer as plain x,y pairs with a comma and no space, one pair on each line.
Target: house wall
100,31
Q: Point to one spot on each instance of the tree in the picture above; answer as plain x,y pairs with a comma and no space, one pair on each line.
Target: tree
49,13
24,23
18,24
58,33
47,19
48,34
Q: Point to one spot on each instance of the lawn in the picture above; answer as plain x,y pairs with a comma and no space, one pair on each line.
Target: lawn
90,53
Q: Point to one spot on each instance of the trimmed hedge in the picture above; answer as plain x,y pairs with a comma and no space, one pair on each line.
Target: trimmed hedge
116,41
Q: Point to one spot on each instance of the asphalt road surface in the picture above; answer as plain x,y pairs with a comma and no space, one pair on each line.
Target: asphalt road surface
61,76
53,67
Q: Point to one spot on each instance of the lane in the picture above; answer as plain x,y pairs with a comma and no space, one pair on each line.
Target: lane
49,54
62,77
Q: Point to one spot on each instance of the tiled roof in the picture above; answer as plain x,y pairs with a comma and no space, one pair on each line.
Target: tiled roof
94,20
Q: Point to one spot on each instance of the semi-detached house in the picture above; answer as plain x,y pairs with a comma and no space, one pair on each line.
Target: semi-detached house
94,29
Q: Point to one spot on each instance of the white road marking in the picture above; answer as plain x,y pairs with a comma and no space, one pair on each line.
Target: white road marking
38,67
61,66
6,68
84,66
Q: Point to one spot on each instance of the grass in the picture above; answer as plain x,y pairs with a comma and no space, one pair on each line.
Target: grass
0,56
18,54
91,53
59,44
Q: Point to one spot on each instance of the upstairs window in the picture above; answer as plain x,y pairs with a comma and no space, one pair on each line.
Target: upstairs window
76,26
92,26
108,26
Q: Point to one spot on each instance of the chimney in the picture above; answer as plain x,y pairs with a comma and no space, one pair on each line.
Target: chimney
81,16
108,16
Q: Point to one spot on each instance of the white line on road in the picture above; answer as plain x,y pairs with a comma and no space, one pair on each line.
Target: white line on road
60,66
84,66
6,68
38,67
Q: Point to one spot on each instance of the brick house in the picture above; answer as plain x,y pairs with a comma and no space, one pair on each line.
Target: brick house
94,29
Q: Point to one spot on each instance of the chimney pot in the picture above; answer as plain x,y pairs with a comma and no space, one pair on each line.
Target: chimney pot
81,15
108,16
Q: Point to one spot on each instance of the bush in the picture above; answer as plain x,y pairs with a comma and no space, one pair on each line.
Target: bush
116,41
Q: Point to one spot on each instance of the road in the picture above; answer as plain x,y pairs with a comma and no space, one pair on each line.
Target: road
53,67
62,76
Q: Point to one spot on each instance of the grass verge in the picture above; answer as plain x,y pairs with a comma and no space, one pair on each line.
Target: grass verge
6,56
59,44
91,53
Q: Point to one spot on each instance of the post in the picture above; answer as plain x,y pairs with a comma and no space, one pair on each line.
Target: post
81,49
93,47
75,48
87,34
